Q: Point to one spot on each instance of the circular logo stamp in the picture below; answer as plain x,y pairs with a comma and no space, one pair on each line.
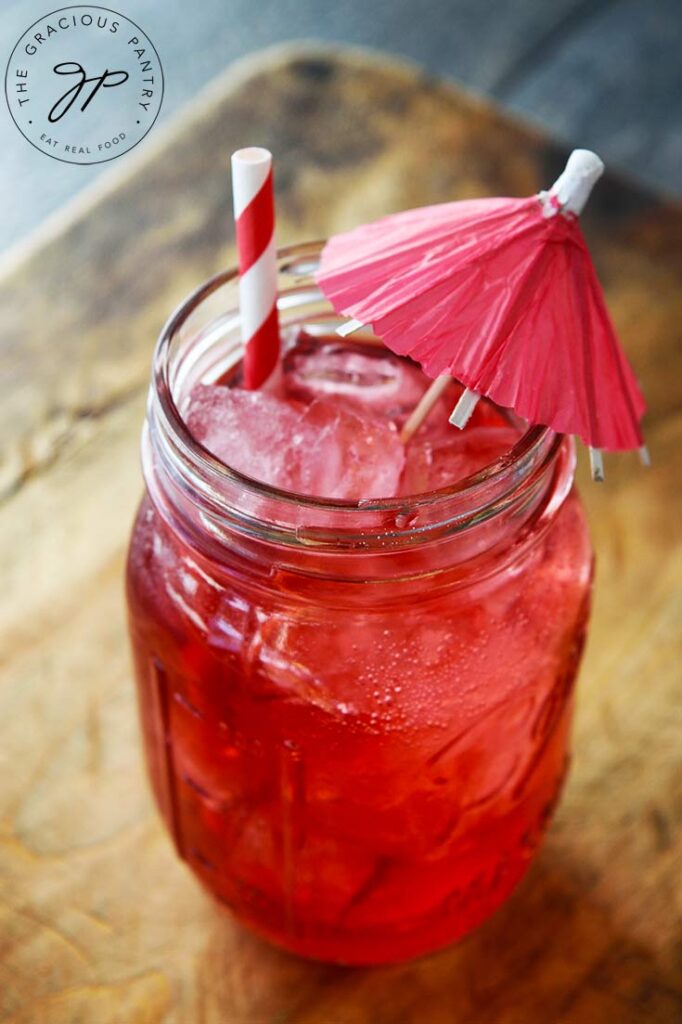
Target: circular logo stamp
84,84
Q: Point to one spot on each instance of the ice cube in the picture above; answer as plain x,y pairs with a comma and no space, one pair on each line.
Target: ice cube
347,455
432,463
244,429
372,380
322,449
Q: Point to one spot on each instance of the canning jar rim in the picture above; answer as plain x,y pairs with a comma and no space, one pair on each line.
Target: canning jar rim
479,493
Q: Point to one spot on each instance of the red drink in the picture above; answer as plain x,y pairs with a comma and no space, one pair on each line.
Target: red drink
356,718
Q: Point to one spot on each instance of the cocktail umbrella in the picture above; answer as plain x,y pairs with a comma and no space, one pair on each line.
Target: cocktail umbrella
502,295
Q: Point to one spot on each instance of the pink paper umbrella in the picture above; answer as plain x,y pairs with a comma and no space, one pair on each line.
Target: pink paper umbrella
501,294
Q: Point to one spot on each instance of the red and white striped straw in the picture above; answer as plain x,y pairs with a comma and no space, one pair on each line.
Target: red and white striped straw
254,214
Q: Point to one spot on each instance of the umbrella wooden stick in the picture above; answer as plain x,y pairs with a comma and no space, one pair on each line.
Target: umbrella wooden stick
424,407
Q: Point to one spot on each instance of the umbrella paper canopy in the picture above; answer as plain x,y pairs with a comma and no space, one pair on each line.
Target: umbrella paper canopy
501,294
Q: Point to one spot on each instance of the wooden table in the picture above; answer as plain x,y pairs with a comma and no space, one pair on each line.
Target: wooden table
98,921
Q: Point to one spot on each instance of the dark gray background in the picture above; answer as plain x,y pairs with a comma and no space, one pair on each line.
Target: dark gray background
605,74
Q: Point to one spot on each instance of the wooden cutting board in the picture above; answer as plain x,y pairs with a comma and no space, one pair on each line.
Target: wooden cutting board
99,924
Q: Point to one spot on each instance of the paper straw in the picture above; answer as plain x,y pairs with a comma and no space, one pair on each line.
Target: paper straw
254,214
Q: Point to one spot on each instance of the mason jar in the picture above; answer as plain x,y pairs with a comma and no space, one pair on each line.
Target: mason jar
355,716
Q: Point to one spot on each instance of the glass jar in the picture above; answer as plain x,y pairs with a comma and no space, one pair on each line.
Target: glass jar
355,715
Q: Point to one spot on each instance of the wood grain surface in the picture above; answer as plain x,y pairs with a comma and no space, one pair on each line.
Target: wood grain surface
99,924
